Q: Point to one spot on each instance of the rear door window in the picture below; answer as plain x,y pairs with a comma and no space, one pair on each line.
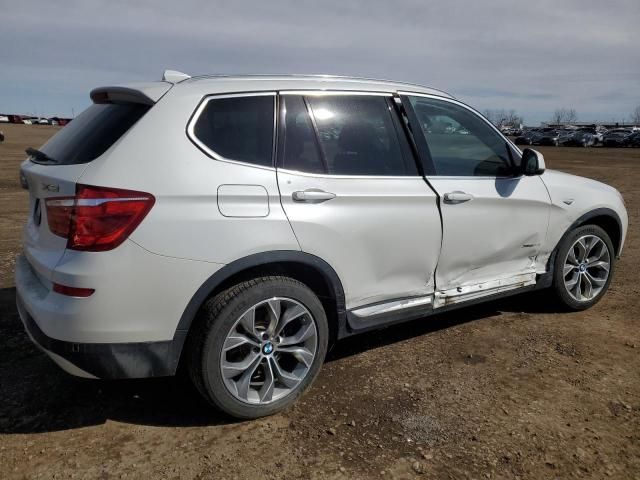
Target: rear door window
238,128
357,136
92,132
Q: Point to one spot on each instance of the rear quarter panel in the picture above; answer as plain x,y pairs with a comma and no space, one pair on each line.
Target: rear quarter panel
156,156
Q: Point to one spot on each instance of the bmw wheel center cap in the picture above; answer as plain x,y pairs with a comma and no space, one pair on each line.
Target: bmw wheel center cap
267,348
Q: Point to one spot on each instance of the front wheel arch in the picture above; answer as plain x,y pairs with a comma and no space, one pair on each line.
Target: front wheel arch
605,218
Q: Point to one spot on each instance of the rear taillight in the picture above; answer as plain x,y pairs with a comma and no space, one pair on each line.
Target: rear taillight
97,218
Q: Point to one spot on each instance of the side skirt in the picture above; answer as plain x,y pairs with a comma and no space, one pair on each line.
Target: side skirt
384,314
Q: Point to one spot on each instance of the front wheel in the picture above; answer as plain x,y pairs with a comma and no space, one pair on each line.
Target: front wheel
583,267
257,346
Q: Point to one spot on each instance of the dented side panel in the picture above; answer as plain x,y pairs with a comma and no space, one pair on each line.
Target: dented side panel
498,233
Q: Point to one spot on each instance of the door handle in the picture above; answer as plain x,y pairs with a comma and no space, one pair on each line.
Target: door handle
312,195
457,197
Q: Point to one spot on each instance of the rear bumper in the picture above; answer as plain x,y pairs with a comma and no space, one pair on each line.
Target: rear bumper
107,360
127,329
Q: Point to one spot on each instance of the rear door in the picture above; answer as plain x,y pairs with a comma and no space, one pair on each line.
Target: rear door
494,219
350,187
53,170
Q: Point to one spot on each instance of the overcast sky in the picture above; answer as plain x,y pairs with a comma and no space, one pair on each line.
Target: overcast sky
532,56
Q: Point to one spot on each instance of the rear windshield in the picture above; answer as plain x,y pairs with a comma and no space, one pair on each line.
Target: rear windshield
92,132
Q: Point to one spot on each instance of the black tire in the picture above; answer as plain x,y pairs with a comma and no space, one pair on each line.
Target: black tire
218,316
559,288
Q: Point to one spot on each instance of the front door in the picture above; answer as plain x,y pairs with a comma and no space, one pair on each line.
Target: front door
353,195
494,219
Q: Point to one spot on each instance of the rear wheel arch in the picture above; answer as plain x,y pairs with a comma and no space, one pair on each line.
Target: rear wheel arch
308,269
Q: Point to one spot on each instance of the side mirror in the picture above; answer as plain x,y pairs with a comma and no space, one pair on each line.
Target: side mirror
532,162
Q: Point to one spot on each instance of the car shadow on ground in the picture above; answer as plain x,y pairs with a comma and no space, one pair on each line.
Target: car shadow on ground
36,396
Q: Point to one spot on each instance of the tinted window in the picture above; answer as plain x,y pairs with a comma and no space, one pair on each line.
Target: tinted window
92,132
357,136
299,150
460,142
239,128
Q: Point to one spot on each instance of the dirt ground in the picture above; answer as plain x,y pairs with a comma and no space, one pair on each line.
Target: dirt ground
510,389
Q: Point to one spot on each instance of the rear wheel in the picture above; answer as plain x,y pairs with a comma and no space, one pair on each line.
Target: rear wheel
257,346
583,267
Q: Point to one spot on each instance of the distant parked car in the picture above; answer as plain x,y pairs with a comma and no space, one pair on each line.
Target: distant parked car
616,138
549,136
526,137
633,140
579,138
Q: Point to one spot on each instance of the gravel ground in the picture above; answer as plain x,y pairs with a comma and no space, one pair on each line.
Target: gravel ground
509,389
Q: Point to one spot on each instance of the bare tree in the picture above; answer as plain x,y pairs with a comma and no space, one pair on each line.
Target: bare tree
570,115
564,115
558,116
635,116
501,118
512,118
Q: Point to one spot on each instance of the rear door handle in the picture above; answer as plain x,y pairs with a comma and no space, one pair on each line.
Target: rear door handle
457,197
312,195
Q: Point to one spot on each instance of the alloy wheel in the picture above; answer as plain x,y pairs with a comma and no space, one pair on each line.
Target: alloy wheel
586,268
269,350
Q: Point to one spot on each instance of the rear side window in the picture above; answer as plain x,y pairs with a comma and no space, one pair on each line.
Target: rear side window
238,128
357,136
92,132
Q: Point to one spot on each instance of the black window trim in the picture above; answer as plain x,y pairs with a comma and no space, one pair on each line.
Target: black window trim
316,137
322,92
213,154
422,144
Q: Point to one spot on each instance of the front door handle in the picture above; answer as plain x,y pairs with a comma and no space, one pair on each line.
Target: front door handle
457,197
312,195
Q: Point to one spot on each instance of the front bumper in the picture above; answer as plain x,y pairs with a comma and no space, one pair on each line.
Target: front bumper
106,360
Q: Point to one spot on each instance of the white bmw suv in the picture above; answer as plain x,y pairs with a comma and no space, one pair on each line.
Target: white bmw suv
240,225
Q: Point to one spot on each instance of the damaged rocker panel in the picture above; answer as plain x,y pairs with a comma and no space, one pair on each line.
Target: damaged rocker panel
398,310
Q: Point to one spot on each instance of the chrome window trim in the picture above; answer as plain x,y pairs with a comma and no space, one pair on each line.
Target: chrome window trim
213,154
355,177
470,109
328,92
459,177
